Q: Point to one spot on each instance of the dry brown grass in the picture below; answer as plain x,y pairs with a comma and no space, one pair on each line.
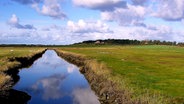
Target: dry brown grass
8,60
4,79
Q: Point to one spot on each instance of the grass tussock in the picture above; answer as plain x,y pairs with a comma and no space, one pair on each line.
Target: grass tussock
4,79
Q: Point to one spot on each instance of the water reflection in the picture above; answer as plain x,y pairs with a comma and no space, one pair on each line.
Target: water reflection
84,96
49,86
51,80
70,68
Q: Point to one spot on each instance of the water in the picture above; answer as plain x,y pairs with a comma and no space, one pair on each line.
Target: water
52,80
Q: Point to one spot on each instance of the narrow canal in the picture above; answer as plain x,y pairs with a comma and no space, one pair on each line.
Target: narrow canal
52,80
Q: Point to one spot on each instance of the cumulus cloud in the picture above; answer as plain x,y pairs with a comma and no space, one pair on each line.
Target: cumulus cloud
50,8
35,36
18,36
119,11
88,27
171,10
65,36
14,22
153,32
125,16
103,5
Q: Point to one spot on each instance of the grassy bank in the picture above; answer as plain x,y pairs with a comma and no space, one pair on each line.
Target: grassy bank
152,74
15,57
98,76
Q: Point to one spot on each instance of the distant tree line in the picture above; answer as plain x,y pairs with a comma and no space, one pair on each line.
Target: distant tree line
103,42
181,44
130,42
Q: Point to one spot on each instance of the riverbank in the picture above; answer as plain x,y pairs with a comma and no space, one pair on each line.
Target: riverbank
139,74
12,59
98,76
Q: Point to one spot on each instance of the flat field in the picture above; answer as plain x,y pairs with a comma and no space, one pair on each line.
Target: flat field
145,70
9,52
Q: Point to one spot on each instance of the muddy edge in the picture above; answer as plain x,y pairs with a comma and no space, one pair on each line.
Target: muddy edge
13,70
105,89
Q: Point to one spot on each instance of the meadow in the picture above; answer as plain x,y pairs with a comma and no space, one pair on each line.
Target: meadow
150,73
154,73
9,53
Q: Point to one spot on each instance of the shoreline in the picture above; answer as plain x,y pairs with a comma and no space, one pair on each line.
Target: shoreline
107,90
11,72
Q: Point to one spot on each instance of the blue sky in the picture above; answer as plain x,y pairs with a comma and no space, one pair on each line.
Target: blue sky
70,21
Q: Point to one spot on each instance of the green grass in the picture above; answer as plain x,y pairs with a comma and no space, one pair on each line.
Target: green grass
17,51
145,69
9,52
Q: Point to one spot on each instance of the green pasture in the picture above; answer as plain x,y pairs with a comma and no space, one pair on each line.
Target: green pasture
9,52
144,69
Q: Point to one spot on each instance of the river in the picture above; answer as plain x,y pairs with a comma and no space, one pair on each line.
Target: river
52,80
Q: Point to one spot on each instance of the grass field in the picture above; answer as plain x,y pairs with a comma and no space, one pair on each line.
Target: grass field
147,70
9,52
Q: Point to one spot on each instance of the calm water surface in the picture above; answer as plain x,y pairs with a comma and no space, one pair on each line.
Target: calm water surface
52,80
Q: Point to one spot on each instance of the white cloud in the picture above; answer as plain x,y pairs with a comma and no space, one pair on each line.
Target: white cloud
161,32
125,16
172,10
103,5
88,27
50,8
14,22
32,36
64,35
120,11
18,36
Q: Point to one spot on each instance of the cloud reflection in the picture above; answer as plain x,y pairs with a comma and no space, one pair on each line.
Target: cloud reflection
71,68
50,60
50,86
84,96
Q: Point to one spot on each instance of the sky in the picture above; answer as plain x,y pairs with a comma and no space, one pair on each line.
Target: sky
70,21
